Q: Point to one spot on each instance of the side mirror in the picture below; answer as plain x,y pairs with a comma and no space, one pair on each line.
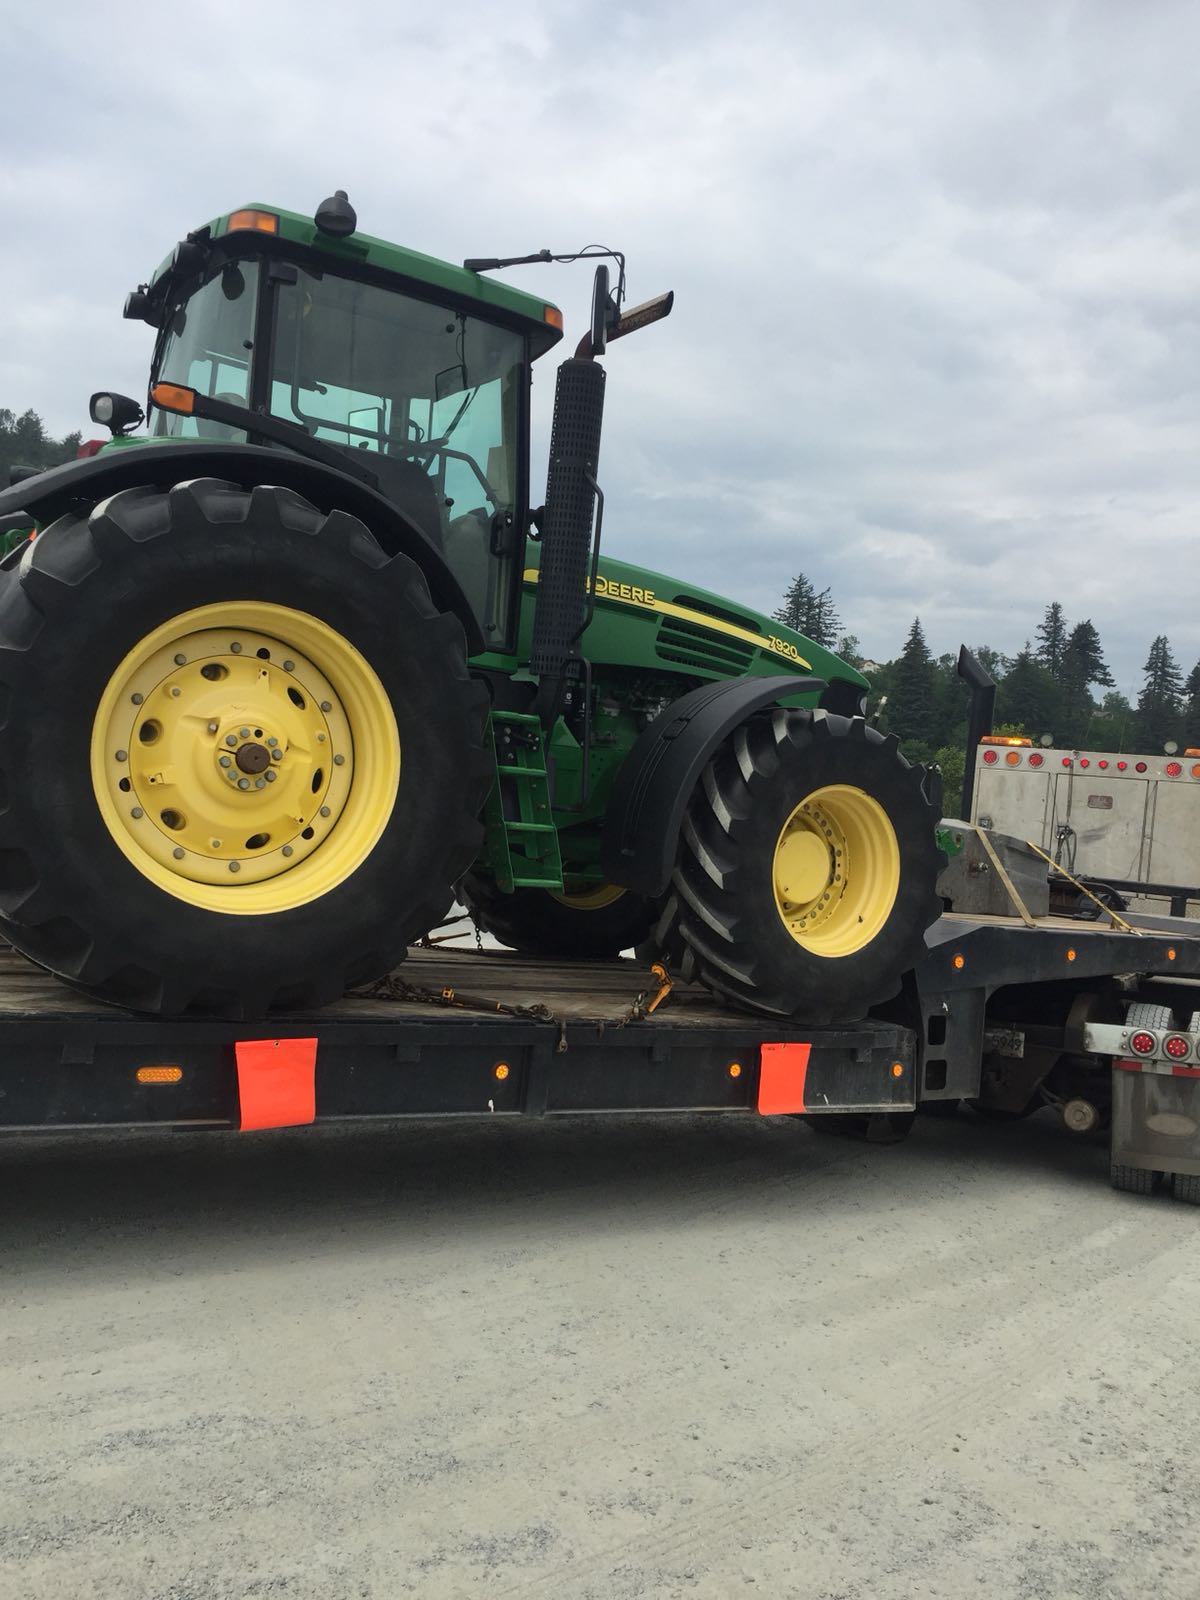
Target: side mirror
604,311
116,412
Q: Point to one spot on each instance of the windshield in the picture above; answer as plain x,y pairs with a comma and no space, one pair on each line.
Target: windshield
207,344
432,395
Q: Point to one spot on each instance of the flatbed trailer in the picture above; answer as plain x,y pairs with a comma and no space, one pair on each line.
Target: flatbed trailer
990,1015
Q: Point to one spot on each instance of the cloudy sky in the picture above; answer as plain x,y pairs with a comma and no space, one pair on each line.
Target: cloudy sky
935,340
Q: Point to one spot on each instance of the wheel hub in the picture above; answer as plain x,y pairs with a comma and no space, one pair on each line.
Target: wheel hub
836,870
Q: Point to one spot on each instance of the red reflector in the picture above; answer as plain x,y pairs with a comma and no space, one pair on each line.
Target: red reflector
782,1071
990,757
1102,764
1173,769
1142,1044
276,1082
1066,761
1085,762
1176,1046
1141,767
1036,760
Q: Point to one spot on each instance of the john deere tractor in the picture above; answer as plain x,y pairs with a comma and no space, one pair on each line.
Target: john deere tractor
283,675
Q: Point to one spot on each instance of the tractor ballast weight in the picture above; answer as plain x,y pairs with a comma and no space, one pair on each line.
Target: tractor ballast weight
560,614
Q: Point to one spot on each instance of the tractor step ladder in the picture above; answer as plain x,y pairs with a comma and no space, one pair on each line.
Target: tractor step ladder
522,841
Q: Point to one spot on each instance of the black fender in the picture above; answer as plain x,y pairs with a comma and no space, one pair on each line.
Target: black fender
61,489
652,789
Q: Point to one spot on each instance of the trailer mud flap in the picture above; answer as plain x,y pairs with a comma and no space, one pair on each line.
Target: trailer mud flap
277,1083
783,1069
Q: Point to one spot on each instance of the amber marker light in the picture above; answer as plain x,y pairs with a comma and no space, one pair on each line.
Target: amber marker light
1170,955
1070,955
159,1074
552,316
735,1069
897,1069
174,397
960,962
253,222
502,1070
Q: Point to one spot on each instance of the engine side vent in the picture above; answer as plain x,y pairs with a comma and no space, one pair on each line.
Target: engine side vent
691,645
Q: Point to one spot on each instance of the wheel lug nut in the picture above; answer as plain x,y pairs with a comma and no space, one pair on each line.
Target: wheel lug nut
289,666
326,705
235,866
339,761
286,851
122,755
243,783
181,661
272,743
276,755
226,761
259,783
235,648
176,692
245,732
212,727
230,739
324,811
216,844
136,699
320,738
137,813
269,776
178,853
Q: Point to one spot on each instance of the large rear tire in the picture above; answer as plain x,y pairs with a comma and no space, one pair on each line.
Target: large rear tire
241,757
807,869
593,924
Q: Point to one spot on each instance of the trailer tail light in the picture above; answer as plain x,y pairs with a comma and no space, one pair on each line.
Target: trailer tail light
1012,759
1196,772
1174,768
1141,767
990,757
1066,761
1121,765
1084,762
159,1074
1103,765
1036,759
1177,1046
1142,1043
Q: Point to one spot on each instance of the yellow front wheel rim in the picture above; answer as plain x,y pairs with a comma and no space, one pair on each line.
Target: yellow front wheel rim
836,870
594,899
245,757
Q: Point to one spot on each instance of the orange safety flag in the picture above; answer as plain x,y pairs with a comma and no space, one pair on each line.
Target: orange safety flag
782,1071
277,1082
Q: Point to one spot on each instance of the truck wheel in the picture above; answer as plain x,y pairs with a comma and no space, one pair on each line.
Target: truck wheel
591,925
1133,1180
241,758
1185,1186
807,868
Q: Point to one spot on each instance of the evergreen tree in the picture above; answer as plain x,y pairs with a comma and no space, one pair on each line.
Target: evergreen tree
1111,728
1082,664
1160,704
1029,696
910,709
809,611
1191,710
24,442
1052,638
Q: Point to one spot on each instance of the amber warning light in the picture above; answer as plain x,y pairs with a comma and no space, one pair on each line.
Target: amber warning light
174,397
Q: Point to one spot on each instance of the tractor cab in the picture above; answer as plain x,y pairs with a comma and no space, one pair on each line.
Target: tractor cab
415,373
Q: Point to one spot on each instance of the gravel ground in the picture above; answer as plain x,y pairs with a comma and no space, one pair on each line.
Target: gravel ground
600,1359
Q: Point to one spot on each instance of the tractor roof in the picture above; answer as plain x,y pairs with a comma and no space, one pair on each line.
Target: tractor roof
359,249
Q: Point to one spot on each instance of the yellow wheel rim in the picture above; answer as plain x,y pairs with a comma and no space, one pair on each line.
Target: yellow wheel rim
836,870
245,757
594,899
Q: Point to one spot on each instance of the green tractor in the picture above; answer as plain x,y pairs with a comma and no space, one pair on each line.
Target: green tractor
281,678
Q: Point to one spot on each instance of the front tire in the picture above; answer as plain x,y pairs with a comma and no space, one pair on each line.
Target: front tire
594,924
242,760
807,869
